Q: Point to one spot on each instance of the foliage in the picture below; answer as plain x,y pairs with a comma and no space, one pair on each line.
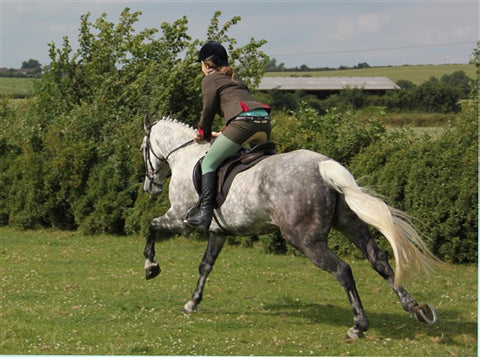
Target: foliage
434,180
69,158
476,61
72,160
432,96
340,135
32,65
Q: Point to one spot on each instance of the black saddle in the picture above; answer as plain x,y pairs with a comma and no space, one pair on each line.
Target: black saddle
241,161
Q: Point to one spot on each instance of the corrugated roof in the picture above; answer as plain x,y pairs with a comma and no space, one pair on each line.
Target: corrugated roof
326,83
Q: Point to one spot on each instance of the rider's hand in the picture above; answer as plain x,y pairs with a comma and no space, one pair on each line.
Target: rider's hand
200,138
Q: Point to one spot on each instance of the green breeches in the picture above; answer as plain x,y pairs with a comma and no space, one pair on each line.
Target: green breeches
221,149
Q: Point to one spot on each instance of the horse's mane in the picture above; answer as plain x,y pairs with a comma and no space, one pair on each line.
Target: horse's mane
184,127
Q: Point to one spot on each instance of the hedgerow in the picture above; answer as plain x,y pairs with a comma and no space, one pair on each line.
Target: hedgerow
435,180
70,157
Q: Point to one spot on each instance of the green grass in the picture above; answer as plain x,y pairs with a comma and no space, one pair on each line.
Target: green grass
416,74
64,293
16,87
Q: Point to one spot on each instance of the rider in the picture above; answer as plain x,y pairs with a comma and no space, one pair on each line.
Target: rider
247,122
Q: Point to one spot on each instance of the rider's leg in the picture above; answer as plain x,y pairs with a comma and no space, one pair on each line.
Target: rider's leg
221,149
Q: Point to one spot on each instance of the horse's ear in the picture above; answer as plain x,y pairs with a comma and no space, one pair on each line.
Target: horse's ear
147,122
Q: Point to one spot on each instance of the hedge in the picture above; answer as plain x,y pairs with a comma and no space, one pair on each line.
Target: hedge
70,158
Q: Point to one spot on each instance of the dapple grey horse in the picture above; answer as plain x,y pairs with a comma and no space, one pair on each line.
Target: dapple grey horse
303,194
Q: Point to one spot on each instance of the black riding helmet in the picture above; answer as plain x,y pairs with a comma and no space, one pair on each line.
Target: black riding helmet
214,52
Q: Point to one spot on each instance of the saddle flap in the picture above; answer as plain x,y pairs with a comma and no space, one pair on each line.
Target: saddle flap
197,175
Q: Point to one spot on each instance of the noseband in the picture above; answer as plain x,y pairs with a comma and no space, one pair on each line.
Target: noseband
151,172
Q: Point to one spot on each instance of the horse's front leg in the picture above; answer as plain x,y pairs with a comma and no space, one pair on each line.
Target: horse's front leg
152,268
215,245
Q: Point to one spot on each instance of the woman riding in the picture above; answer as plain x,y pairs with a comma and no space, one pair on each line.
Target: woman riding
247,122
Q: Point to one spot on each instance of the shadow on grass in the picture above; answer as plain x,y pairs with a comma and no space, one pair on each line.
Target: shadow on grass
392,325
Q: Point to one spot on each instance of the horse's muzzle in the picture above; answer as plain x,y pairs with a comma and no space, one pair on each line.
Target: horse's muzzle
152,188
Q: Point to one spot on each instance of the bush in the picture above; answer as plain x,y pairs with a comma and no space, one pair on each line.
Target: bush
72,160
434,180
340,135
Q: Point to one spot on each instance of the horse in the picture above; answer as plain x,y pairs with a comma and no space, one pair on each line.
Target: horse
301,193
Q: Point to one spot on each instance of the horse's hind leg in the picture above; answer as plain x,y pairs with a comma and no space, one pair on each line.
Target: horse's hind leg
321,255
358,232
215,245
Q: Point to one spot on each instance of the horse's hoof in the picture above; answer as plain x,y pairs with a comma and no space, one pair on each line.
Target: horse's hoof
354,334
426,313
190,307
152,271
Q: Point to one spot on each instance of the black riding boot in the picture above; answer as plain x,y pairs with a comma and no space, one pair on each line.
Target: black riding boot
207,202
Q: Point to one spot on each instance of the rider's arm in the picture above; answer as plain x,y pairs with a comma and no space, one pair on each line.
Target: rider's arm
210,107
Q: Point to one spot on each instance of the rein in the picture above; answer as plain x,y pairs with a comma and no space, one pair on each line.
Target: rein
176,149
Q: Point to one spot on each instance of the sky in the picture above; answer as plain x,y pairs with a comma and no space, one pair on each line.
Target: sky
316,33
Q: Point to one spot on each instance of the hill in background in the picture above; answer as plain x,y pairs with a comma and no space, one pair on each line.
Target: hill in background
417,74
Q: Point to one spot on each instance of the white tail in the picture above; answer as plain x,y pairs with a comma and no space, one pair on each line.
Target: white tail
408,248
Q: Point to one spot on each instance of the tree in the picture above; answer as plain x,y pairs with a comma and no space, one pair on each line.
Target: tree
404,84
79,163
475,59
362,65
272,66
33,65
434,179
460,81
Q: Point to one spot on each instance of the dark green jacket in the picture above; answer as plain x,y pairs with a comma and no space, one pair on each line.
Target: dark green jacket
226,97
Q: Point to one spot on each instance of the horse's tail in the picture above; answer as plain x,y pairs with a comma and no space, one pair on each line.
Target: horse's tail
408,248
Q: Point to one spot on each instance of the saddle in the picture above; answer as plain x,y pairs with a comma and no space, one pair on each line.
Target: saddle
241,161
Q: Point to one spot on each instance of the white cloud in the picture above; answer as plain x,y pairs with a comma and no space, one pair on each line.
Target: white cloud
353,26
369,23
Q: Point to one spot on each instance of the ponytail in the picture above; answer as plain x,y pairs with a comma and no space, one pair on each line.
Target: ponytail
224,69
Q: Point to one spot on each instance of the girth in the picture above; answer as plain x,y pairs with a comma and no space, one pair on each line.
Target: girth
235,164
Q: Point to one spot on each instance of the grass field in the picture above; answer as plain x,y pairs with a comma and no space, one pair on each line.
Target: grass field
16,87
64,293
416,74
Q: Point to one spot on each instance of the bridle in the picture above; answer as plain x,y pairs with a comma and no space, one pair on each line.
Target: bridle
151,172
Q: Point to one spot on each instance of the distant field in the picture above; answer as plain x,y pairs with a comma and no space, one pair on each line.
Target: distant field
416,74
23,87
16,87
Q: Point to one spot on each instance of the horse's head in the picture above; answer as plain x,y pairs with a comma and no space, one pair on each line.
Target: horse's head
157,169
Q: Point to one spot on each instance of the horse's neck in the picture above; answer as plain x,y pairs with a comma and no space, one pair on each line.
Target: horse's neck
170,136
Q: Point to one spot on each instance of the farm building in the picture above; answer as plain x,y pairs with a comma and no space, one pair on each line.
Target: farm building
323,86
